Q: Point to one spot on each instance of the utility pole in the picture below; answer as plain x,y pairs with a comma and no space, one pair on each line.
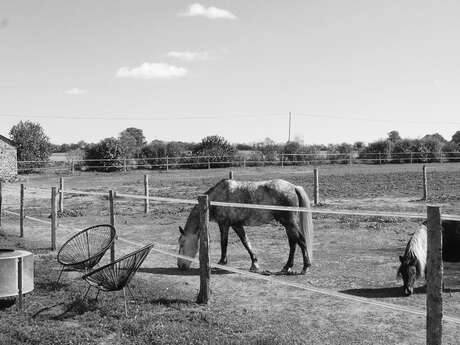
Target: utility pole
289,138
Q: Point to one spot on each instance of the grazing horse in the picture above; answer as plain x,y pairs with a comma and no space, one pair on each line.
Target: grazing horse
413,262
298,225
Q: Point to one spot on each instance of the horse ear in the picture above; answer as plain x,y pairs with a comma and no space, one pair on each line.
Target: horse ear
181,230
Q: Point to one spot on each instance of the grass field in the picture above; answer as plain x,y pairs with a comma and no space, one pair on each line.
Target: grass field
354,255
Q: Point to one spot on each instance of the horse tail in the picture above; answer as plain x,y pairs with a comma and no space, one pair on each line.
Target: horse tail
306,221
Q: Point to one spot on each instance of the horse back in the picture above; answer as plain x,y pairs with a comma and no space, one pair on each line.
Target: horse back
273,192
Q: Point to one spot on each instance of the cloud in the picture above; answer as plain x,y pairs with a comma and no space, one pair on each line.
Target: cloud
191,56
198,10
152,71
75,91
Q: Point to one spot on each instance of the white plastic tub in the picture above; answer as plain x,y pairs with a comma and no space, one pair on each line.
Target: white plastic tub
10,276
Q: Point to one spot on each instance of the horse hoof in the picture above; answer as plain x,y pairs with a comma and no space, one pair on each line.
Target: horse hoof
222,262
254,268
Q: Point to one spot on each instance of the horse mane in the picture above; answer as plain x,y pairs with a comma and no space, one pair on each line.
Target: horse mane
416,250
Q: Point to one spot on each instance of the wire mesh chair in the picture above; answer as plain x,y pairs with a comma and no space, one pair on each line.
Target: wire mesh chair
116,275
84,250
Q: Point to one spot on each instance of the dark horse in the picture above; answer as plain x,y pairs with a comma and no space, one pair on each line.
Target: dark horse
413,262
298,225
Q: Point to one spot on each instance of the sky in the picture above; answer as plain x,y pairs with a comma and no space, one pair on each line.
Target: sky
347,70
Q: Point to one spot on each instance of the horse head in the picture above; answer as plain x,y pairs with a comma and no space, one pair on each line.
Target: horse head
188,246
408,272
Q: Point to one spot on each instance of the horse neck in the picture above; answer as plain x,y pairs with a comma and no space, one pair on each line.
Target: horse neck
191,226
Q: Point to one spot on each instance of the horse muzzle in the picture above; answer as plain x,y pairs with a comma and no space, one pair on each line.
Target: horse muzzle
408,291
183,265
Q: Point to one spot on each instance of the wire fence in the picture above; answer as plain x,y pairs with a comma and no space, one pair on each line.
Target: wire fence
334,294
253,159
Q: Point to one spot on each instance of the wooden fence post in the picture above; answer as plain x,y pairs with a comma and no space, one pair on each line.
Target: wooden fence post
112,222
53,218
1,201
205,270
425,185
209,164
316,186
434,278
124,165
167,163
72,167
282,160
61,194
146,193
21,211
230,175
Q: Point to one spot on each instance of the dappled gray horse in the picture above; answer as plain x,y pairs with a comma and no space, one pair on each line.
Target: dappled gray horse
298,225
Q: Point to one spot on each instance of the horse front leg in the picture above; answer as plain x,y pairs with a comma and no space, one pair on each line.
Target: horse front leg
244,239
223,243
290,262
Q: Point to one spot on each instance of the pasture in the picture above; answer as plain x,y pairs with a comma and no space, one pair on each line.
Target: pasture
354,255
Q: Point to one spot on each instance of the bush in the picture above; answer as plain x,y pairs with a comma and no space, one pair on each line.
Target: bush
107,155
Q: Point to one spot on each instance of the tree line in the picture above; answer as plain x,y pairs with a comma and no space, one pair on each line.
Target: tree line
111,153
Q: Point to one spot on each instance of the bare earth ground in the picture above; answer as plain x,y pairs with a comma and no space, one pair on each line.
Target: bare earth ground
354,255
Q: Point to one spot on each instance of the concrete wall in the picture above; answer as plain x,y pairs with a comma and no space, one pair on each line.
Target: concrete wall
8,162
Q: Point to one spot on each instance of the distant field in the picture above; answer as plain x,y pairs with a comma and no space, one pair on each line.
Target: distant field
355,255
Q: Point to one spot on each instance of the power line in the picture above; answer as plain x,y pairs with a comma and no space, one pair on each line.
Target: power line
353,118
125,117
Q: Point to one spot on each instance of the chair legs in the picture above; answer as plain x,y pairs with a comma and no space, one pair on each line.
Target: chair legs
86,293
126,304
60,274
124,296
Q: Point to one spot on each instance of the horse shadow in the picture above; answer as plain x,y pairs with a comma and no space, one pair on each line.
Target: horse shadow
174,271
386,292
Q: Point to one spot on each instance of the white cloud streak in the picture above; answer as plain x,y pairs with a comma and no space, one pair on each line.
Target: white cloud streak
198,10
152,71
191,56
75,91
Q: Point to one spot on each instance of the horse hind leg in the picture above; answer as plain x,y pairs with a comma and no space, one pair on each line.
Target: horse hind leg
295,236
305,255
290,262
244,239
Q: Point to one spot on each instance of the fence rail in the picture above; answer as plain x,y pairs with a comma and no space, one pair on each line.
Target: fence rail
248,160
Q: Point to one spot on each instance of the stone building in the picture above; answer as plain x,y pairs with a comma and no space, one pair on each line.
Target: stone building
8,160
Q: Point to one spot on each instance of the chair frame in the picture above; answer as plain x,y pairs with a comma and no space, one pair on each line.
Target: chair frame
128,280
86,264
